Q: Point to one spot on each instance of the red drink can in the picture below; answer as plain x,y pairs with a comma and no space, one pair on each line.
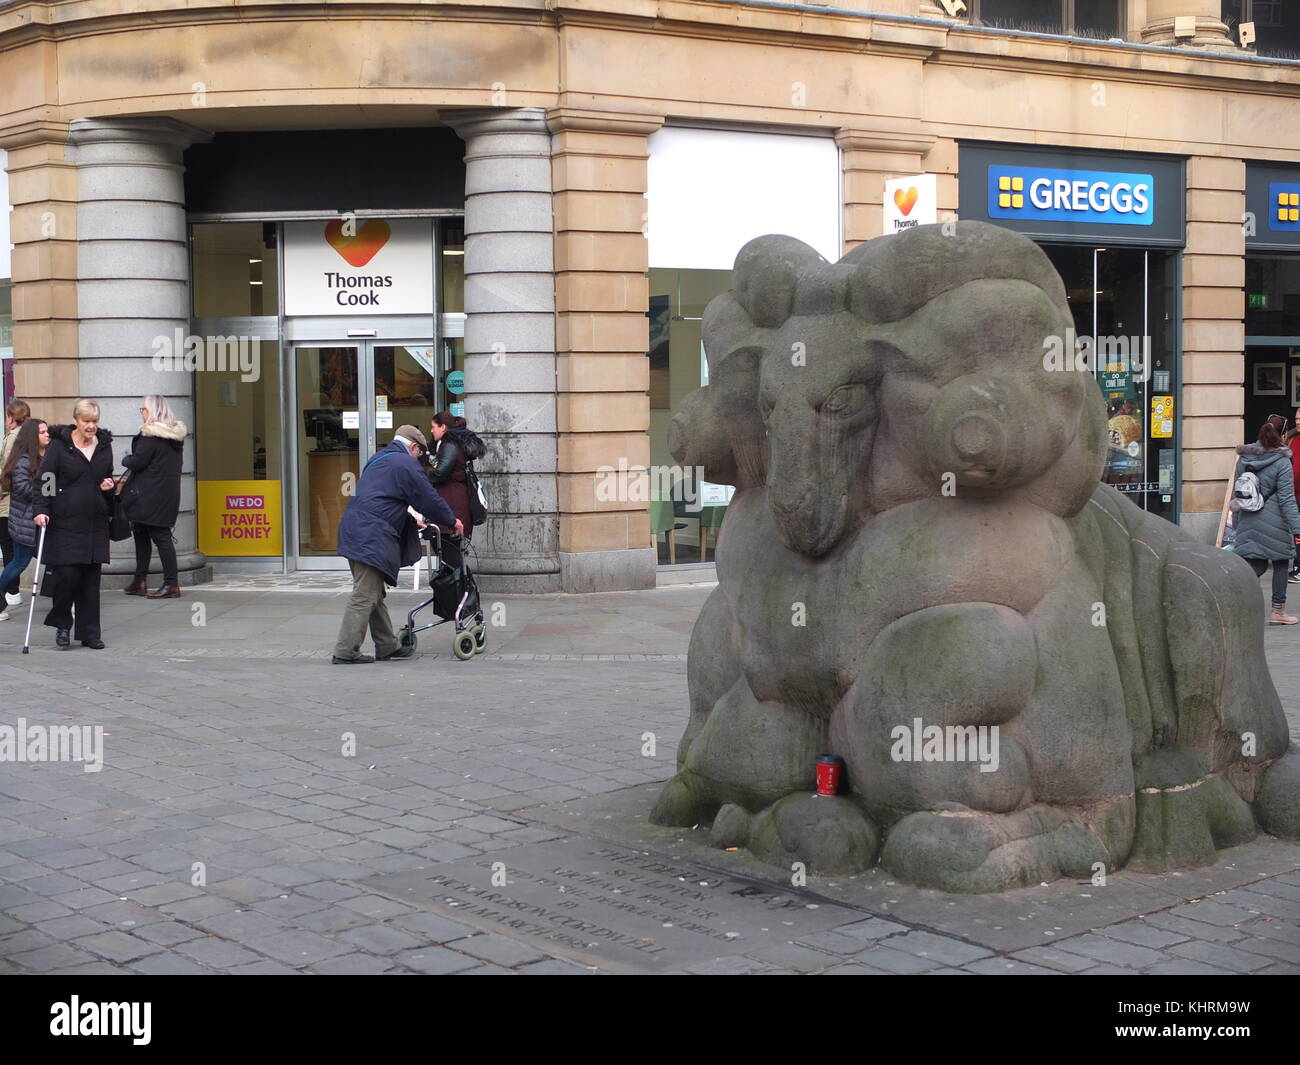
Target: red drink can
829,769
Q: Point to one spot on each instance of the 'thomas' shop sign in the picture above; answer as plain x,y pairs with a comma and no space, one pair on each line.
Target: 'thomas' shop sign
359,266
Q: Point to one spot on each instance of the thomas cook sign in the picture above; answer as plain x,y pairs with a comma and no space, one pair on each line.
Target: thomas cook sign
359,266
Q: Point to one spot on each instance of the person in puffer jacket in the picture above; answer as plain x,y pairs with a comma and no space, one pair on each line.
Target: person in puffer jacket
1268,535
16,479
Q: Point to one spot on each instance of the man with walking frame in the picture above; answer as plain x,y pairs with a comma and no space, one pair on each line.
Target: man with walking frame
378,536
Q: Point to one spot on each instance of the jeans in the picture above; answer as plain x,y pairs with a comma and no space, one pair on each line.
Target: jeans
162,539
22,555
1281,568
7,547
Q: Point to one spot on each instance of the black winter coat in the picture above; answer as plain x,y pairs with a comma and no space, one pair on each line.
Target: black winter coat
21,527
376,529
78,510
447,474
152,495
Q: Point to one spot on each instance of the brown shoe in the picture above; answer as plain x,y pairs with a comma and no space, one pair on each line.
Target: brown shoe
1281,617
167,591
138,588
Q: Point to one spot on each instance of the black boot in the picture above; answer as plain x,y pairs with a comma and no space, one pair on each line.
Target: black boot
166,591
137,588
63,639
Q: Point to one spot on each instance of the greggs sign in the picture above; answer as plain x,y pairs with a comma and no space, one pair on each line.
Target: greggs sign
1040,194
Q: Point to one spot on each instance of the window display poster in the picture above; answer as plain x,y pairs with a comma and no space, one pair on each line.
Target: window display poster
1162,417
239,518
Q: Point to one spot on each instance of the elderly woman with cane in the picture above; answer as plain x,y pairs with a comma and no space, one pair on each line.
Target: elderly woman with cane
78,467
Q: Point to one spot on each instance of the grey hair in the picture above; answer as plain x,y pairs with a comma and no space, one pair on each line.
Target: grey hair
159,409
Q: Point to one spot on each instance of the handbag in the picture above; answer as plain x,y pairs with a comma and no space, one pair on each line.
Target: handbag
119,525
477,500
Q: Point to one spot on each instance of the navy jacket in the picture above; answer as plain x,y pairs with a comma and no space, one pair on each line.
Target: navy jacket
376,529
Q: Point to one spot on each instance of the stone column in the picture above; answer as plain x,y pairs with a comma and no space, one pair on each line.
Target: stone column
133,288
1214,336
1211,32
510,342
602,333
43,191
871,156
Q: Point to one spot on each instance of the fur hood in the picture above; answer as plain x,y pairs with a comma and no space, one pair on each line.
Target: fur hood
172,430
469,442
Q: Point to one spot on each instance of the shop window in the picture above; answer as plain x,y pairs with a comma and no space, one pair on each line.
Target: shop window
237,410
1084,18
235,270
685,511
1277,25
453,267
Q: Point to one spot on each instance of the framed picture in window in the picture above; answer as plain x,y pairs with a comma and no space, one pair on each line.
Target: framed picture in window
1270,379
1295,385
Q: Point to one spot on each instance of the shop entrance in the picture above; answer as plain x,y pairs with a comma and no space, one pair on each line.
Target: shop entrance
1125,299
347,399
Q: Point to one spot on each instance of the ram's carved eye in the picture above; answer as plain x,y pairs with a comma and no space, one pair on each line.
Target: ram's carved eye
845,401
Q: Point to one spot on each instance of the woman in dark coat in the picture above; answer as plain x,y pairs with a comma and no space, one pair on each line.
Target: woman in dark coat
152,496
456,445
1268,535
79,466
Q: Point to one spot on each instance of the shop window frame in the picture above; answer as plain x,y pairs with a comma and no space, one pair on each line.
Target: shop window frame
1067,15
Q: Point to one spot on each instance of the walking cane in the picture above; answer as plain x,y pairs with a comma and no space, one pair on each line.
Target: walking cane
36,583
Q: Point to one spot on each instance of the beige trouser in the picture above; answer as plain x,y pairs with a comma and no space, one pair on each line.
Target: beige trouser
366,607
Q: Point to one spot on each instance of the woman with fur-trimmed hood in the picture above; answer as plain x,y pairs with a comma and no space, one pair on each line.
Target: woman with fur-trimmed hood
152,496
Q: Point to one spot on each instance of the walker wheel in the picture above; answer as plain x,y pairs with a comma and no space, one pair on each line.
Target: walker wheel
406,638
480,640
463,645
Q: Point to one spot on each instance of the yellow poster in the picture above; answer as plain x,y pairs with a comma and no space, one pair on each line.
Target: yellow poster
240,518
1162,417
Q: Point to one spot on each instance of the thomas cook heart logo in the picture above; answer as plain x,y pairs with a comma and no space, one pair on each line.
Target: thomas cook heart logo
363,244
905,201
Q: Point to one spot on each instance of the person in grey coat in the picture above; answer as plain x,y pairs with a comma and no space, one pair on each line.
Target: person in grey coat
1268,535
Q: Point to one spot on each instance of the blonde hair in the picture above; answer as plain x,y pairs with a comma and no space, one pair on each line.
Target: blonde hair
85,408
159,409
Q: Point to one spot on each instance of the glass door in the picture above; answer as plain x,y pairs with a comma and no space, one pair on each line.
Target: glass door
348,399
1124,299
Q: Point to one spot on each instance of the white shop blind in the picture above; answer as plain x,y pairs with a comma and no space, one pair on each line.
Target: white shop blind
711,191
6,270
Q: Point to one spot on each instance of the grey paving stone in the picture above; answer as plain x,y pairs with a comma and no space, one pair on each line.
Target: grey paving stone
1219,955
555,967
1113,951
939,948
1052,958
498,949
435,960
1193,929
730,966
300,947
856,969
1143,934
117,946
1008,967
1211,912
262,968
872,928
167,933
355,964
433,927
832,943
55,956
895,961
214,952
170,964
65,928
329,890
1183,967
32,912
1276,949
376,907
381,939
